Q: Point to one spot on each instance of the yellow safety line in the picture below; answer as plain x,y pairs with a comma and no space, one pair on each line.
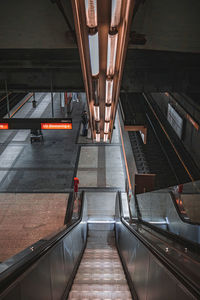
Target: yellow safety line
5,97
21,105
124,153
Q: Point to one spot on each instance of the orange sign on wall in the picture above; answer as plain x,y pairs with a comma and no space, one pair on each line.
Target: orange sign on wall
59,126
3,125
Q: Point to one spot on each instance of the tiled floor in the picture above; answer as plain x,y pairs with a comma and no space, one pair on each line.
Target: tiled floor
47,167
101,167
26,218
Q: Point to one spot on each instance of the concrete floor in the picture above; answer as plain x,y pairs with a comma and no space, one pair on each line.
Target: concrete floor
47,167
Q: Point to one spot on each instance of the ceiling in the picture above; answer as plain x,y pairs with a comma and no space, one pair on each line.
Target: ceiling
37,47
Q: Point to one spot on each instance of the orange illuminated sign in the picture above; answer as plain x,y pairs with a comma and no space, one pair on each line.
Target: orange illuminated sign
3,125
60,126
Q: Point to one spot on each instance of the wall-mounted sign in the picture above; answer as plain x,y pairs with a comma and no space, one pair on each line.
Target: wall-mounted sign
56,126
4,126
49,123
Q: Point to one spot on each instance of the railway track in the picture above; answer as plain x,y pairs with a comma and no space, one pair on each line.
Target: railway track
14,98
172,164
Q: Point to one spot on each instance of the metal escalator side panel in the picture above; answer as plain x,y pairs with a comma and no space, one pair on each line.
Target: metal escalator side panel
151,279
151,275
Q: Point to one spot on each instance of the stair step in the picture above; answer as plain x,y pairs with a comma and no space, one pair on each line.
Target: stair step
89,293
100,287
100,275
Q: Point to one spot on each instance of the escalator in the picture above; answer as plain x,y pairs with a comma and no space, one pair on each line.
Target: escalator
100,274
100,254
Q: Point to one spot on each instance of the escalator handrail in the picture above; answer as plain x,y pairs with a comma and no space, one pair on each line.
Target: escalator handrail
174,237
179,213
192,287
174,203
10,274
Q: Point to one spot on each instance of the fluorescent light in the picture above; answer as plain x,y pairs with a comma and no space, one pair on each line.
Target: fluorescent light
96,113
105,137
91,13
109,91
94,53
106,127
97,137
111,55
116,12
107,112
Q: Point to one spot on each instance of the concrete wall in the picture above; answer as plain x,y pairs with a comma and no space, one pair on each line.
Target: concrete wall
169,25
33,24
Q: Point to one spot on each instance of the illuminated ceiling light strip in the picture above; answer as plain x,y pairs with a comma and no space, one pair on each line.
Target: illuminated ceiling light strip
106,127
98,137
116,12
111,55
91,13
96,113
107,112
94,53
109,91
105,137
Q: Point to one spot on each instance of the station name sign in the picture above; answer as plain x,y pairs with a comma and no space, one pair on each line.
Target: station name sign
45,124
58,126
3,125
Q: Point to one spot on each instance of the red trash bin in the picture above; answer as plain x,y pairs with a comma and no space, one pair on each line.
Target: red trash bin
76,182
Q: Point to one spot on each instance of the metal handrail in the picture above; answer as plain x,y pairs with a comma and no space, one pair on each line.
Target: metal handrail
179,213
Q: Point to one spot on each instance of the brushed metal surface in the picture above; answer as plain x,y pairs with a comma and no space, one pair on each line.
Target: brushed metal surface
13,293
37,282
57,267
159,207
150,278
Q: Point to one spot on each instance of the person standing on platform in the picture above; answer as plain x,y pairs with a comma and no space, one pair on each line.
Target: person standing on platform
84,120
68,102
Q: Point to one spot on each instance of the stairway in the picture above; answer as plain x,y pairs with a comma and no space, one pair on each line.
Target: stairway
100,274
